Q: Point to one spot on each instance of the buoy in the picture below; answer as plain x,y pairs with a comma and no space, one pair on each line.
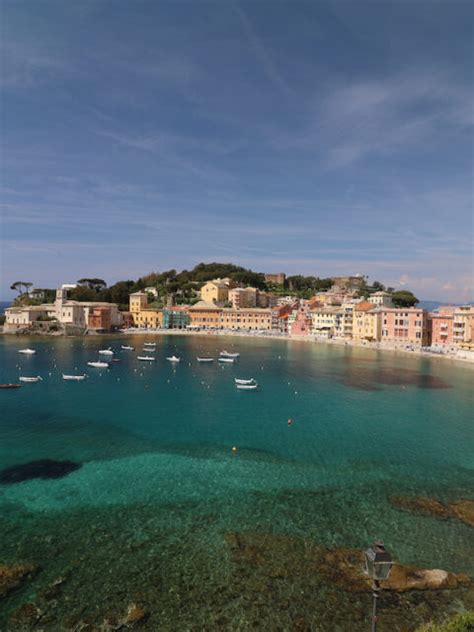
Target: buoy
296,392
234,450
290,421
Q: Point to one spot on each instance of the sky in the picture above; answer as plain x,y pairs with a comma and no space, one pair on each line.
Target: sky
321,138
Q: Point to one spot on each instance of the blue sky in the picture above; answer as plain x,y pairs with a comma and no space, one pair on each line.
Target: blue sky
314,137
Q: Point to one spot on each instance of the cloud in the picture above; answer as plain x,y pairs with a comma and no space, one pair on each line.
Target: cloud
379,117
261,53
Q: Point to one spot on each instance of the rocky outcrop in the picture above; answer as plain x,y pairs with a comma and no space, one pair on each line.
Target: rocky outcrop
12,576
285,557
460,509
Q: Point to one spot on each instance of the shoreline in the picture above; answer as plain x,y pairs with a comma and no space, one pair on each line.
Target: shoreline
466,357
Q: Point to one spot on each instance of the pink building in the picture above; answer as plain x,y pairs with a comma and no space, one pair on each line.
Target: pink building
409,325
302,324
442,328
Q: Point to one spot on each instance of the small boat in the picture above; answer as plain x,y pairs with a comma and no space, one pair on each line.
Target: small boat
27,351
247,387
173,358
106,351
127,348
36,378
227,354
244,382
99,365
224,359
149,358
76,378
149,344
115,360
10,385
204,359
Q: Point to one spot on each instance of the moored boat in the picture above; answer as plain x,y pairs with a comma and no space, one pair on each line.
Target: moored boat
99,365
247,387
76,378
127,348
10,385
106,351
149,358
27,351
204,359
35,378
224,359
149,344
173,358
244,382
228,354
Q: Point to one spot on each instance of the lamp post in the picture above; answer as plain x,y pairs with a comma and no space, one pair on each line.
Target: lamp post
378,564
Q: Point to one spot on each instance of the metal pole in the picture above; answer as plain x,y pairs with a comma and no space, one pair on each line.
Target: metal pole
375,594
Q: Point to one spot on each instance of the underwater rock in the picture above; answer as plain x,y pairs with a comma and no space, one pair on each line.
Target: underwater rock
421,504
460,509
286,557
12,576
52,591
43,468
464,510
134,614
26,616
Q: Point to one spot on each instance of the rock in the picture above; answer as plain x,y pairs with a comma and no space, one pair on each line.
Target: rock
283,557
26,616
12,576
460,509
134,614
42,468
421,504
464,510
53,589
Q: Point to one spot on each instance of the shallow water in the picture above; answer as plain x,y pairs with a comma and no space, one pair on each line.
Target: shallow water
144,518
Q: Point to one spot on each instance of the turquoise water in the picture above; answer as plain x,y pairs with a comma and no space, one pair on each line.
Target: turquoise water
145,518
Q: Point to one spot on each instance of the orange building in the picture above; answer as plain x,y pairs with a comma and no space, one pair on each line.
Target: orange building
205,314
441,328
406,324
100,318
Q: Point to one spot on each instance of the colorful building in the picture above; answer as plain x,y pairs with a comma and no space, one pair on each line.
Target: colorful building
301,324
325,320
442,328
278,278
205,315
249,318
143,316
367,322
463,325
409,325
176,317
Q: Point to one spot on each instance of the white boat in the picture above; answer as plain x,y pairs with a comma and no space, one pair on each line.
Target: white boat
149,344
37,378
149,358
173,358
247,387
244,382
106,351
76,378
27,351
227,354
224,359
99,365
204,359
128,348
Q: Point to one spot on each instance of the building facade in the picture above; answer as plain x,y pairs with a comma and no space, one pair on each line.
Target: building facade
247,319
367,324
409,325
381,299
176,317
205,315
277,277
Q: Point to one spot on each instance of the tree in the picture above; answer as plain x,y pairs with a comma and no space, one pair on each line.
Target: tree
404,298
93,284
21,284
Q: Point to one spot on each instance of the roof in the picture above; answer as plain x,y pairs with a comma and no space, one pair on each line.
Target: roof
138,294
364,306
205,305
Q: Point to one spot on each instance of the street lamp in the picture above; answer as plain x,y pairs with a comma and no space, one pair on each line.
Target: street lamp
378,564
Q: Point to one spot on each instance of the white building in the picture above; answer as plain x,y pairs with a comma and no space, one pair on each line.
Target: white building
381,299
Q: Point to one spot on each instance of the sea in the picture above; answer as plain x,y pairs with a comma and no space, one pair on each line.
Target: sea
193,505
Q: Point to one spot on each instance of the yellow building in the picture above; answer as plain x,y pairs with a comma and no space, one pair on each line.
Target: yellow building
205,315
251,318
367,322
143,316
216,292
